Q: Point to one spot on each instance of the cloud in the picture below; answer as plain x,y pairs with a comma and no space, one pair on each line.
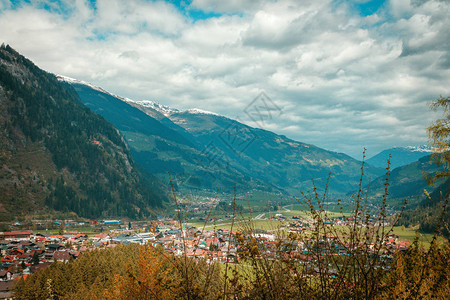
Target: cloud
343,80
230,6
133,17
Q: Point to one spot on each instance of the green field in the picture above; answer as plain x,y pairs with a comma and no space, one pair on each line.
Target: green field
240,223
410,234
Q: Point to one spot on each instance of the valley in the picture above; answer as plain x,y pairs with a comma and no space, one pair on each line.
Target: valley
196,155
84,171
208,149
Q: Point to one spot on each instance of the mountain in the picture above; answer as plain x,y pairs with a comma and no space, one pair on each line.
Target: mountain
406,182
163,147
205,150
58,155
289,164
400,156
429,211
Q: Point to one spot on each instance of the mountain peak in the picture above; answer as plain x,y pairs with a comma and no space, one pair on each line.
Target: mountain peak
421,148
77,81
167,110
199,111
164,109
400,156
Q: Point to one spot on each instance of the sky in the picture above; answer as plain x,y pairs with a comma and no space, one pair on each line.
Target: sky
342,75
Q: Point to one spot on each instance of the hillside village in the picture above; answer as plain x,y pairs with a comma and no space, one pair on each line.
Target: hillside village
26,252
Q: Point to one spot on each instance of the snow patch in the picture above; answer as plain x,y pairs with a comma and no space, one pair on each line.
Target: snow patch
200,112
94,87
164,109
422,148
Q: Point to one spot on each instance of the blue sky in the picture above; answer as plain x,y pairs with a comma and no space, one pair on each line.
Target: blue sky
366,8
346,74
186,7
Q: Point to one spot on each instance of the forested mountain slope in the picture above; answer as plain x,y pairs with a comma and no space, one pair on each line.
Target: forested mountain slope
56,153
162,147
406,182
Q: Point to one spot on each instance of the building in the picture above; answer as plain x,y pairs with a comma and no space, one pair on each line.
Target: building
16,235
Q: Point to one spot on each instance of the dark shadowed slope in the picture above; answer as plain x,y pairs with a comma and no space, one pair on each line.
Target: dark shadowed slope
58,154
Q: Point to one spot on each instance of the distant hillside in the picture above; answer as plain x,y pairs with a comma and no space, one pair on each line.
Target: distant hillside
274,158
205,150
56,153
406,182
401,156
429,210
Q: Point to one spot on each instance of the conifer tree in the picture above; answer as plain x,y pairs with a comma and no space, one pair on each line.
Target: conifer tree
439,136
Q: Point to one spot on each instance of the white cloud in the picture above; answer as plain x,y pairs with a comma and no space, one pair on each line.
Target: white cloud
131,17
343,81
400,8
230,6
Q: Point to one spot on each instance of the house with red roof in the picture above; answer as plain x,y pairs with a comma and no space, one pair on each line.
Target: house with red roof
9,259
16,235
16,251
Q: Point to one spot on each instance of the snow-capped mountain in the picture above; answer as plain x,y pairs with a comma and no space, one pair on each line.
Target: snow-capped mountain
73,80
164,109
400,156
167,110
421,148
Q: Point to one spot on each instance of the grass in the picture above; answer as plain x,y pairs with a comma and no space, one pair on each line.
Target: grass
243,270
140,142
410,234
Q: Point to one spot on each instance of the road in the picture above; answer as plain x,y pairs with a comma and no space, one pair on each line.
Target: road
258,217
285,207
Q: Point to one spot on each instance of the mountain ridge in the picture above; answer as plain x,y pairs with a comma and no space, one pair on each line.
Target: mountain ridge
164,109
220,145
400,156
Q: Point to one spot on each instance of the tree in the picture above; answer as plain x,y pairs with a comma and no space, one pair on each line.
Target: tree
35,258
439,136
62,228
